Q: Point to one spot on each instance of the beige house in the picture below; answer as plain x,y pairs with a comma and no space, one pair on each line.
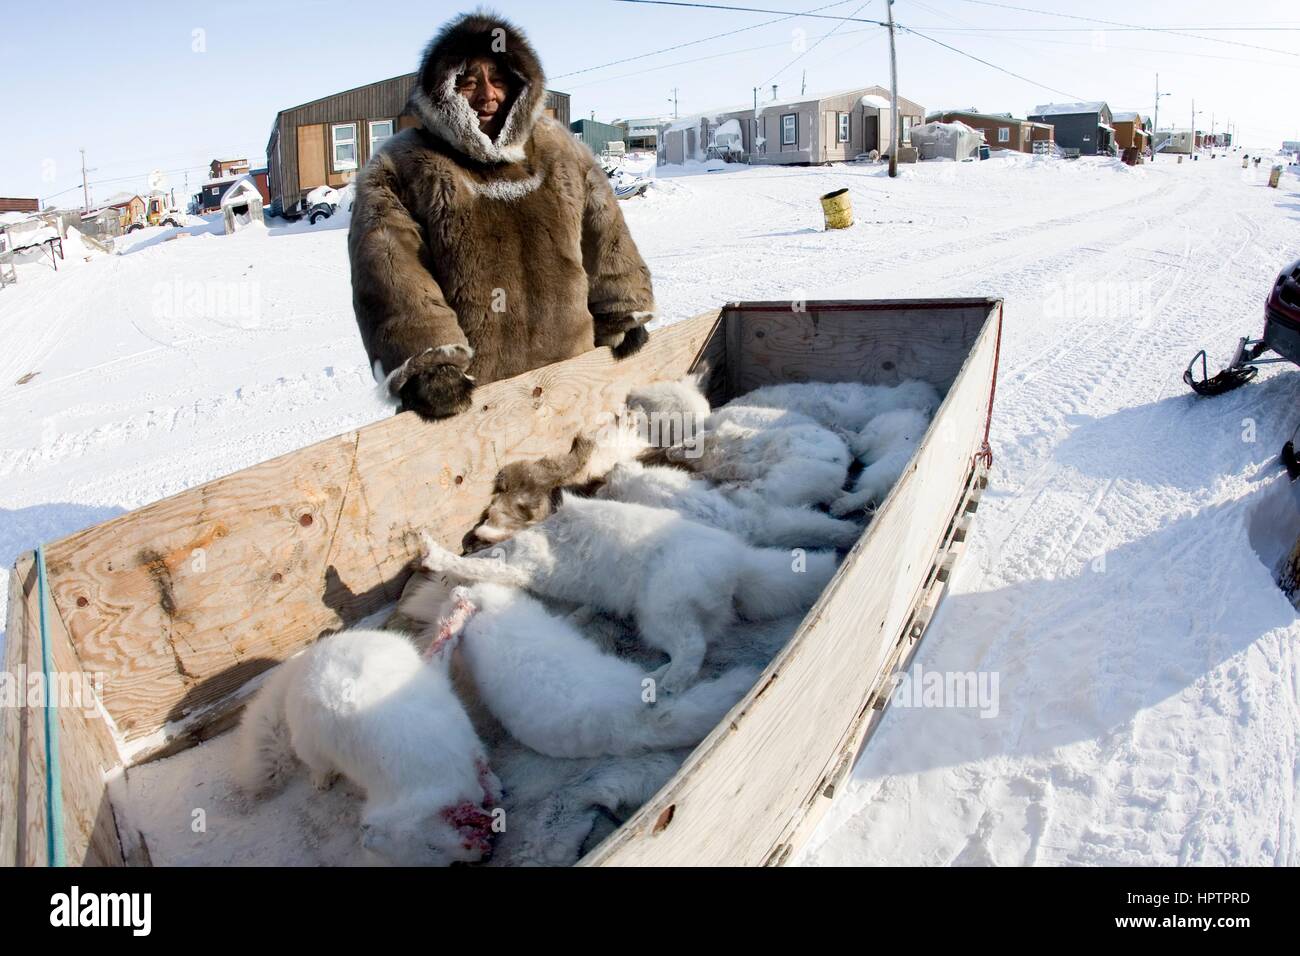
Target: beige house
829,128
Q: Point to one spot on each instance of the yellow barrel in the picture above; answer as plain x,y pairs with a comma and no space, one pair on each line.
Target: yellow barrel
838,209
1275,176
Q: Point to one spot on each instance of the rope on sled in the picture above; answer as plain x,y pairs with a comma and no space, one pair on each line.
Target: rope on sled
53,765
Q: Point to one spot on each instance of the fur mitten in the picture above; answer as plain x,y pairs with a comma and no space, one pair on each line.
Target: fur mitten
437,392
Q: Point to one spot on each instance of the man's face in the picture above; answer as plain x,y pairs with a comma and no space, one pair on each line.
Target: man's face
487,87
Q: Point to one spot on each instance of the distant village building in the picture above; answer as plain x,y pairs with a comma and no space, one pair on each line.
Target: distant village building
19,205
1083,129
1132,137
812,129
641,132
1181,141
324,142
223,168
597,136
1002,130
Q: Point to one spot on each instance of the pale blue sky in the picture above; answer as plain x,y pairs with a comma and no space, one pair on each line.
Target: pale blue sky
124,81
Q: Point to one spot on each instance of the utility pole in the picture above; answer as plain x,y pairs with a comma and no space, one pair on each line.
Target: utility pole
803,84
1156,121
85,190
893,94
674,102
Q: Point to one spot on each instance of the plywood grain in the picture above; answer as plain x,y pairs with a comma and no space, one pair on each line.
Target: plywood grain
184,600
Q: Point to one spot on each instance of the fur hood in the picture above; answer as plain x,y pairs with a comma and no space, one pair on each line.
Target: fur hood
448,115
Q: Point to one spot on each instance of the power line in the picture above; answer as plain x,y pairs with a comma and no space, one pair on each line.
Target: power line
898,26
680,46
1000,69
122,179
1172,31
711,56
815,45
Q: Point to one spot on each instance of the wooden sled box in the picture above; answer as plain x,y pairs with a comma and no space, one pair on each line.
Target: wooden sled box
179,603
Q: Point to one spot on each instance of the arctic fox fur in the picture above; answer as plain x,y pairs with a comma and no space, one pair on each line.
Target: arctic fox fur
525,491
784,456
885,445
363,704
558,694
681,581
670,413
844,406
557,808
742,512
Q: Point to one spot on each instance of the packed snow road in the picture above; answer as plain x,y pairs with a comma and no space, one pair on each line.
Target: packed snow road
1117,589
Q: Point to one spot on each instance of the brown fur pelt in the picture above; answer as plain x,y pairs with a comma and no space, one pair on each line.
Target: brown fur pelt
500,256
528,492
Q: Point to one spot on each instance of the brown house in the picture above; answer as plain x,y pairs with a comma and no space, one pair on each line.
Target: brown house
1131,131
20,205
325,142
1001,130
222,168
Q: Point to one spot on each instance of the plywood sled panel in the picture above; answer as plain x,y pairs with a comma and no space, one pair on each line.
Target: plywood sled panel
880,343
85,751
22,841
183,600
742,795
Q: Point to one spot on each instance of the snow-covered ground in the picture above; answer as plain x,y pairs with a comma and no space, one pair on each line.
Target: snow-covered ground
1117,581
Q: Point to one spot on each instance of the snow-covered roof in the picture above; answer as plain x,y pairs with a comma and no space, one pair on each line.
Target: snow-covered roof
692,121
1068,109
120,199
1128,116
998,117
243,188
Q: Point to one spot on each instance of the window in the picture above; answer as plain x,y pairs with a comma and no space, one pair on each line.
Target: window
789,130
345,146
216,190
907,129
380,130
1004,134
844,127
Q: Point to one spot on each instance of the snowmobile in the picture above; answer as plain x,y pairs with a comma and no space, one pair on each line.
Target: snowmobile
1281,335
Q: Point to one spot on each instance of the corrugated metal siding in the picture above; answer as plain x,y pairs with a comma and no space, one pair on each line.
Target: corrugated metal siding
19,205
596,134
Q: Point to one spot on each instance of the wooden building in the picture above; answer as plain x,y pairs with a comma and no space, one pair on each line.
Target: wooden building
1131,132
1081,129
19,205
222,168
1001,130
324,142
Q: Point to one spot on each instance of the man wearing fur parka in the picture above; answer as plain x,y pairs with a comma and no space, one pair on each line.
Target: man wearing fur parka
488,242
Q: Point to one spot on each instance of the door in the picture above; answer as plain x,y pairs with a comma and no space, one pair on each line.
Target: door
871,133
311,156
